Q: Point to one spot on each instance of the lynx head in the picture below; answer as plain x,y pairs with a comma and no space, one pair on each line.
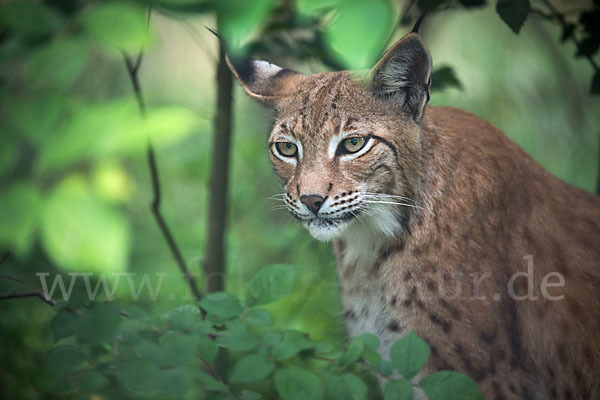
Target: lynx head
347,150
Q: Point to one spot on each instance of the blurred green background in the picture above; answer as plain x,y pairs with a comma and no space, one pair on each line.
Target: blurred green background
75,186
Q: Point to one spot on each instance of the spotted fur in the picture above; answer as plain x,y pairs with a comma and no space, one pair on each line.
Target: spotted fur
469,206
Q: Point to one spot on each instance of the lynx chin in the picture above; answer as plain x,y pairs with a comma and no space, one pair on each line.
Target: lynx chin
416,200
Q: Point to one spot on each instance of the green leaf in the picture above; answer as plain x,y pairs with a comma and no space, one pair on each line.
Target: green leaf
119,24
366,22
184,317
64,324
372,357
99,324
250,395
513,12
238,19
272,339
187,6
444,77
129,331
353,353
30,20
222,305
177,349
369,341
385,367
20,209
251,368
324,347
409,355
270,284
36,118
58,64
298,384
208,349
398,389
8,156
258,317
139,376
210,383
179,380
81,233
450,385
293,342
239,338
101,130
315,7
346,386
112,182
65,360
92,381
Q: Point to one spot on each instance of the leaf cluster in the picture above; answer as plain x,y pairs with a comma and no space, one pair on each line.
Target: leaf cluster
117,351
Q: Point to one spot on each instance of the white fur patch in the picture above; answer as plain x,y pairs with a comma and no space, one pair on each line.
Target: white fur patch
265,69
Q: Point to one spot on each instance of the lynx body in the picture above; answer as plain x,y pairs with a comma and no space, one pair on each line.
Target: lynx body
441,225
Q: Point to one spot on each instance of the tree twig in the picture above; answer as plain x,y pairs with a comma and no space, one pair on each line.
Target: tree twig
562,20
133,67
214,260
33,293
12,279
4,257
210,368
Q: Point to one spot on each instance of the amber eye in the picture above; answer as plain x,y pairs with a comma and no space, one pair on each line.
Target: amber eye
353,144
286,149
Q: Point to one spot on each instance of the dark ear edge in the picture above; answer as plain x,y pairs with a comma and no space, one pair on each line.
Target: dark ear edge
403,76
264,81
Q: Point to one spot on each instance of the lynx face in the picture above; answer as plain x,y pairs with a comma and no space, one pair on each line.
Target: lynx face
347,150
337,170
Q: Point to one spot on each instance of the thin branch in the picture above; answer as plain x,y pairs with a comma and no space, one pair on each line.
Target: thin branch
213,372
5,257
562,20
210,368
133,67
12,279
33,293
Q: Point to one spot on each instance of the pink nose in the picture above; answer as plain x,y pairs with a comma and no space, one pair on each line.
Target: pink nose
313,202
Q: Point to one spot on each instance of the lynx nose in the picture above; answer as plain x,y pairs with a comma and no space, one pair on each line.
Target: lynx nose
313,202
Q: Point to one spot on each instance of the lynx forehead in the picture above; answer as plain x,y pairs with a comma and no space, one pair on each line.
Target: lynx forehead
415,199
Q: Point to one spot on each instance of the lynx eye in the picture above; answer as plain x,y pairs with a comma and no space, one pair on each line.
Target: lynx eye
353,144
286,149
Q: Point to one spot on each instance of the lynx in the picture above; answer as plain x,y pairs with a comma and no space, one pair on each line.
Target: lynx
440,225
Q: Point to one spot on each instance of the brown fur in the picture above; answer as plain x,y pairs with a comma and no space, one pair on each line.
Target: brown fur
481,204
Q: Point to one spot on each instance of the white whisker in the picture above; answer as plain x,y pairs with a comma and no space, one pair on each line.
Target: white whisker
393,203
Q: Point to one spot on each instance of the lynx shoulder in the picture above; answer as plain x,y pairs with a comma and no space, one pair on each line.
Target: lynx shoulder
440,224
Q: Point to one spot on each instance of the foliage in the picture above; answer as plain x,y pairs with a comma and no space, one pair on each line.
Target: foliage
75,197
119,351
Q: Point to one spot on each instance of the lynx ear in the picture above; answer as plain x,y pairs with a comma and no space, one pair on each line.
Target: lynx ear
403,75
264,81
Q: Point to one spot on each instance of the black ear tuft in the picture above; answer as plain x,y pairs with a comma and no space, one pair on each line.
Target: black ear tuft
245,70
403,76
